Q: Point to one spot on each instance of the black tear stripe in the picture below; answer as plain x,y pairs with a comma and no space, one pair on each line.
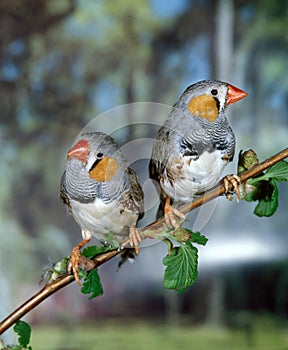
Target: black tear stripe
217,103
97,161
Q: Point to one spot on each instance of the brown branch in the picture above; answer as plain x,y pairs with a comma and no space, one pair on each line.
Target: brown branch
155,227
219,191
48,290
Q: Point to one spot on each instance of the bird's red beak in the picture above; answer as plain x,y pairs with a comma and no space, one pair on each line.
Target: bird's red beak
79,151
234,94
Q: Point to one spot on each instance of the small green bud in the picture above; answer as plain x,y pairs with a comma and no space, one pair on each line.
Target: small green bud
181,235
247,160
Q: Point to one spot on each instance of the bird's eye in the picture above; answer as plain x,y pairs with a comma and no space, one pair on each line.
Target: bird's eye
99,155
214,92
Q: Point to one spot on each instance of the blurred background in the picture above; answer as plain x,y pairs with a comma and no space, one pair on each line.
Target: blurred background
62,63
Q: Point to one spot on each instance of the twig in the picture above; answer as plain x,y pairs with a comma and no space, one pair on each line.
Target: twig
48,290
220,190
155,227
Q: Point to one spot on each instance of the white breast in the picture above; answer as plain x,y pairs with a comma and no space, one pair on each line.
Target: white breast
195,176
100,219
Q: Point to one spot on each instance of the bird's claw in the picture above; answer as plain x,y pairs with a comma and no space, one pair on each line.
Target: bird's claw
73,266
171,213
134,239
232,185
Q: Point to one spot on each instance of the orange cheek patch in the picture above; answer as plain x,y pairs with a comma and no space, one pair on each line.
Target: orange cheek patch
104,170
204,106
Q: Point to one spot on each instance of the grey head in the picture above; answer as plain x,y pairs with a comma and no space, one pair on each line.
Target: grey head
95,168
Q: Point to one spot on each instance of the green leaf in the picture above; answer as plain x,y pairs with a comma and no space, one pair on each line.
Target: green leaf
92,284
23,330
197,237
92,251
278,171
266,191
263,190
181,271
268,205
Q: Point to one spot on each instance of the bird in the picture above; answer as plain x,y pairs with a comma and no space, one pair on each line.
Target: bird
102,192
193,146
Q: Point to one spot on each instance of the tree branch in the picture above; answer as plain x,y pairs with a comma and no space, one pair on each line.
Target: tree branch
155,228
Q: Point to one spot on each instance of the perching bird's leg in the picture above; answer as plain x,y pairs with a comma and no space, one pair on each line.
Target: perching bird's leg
75,257
170,214
232,184
135,239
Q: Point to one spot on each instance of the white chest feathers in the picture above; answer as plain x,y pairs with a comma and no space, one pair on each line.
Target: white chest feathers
184,177
100,219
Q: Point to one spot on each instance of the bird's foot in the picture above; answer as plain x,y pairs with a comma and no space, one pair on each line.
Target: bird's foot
232,185
73,266
170,213
135,239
